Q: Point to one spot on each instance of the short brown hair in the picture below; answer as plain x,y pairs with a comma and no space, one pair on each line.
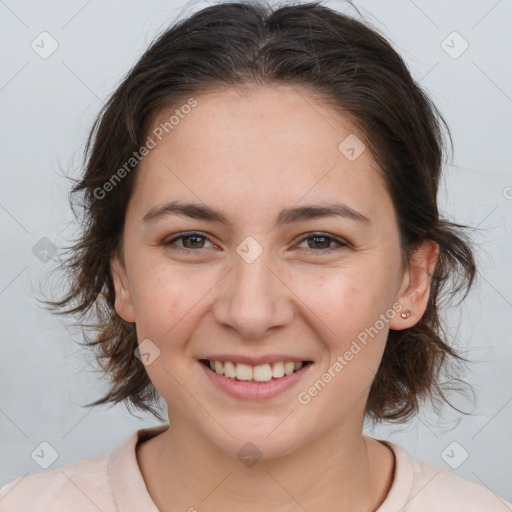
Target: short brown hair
353,69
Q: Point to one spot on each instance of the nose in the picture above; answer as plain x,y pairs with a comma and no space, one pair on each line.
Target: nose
253,298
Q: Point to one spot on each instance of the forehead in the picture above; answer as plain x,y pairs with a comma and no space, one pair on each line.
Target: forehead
268,146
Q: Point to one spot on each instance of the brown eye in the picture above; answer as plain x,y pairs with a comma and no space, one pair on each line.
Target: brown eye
190,241
321,242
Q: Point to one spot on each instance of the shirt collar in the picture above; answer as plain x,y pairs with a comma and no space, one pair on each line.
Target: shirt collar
130,491
128,486
400,491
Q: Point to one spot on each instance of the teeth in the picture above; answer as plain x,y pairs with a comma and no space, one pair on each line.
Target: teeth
243,371
229,370
259,373
289,367
262,373
219,368
278,370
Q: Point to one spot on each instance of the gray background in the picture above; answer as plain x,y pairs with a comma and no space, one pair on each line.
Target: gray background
47,107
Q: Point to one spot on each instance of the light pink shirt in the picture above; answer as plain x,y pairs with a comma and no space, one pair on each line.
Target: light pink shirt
112,482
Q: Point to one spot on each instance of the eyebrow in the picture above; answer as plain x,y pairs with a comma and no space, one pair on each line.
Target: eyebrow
285,216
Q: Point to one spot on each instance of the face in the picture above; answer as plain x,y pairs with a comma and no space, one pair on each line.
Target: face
263,278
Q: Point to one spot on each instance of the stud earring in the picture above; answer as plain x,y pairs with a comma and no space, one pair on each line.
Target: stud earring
406,314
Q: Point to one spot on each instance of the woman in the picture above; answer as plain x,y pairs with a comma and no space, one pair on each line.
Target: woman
263,248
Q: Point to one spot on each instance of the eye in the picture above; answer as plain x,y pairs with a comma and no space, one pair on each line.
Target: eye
321,241
191,240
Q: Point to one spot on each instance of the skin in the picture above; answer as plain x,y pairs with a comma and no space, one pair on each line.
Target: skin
250,154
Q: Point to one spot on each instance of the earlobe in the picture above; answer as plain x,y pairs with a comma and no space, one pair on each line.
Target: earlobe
123,300
415,287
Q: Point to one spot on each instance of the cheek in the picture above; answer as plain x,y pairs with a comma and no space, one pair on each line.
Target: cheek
165,298
168,306
346,304
345,299
347,308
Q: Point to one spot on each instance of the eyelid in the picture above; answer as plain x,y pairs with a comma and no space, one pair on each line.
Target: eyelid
314,234
341,242
186,234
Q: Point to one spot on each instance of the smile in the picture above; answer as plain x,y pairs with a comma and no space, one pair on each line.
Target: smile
260,373
258,382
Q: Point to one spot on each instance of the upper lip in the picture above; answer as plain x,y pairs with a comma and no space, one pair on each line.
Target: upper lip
255,360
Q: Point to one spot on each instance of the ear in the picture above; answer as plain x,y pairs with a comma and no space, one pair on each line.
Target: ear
123,301
415,288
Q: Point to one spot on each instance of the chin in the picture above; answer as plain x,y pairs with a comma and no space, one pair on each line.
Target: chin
251,445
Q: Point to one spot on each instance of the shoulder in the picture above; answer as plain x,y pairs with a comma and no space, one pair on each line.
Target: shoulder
108,482
80,486
423,487
451,492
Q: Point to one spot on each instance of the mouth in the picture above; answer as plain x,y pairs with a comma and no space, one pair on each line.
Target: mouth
259,382
257,374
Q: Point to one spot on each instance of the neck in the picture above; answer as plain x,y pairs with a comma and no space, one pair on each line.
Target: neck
343,470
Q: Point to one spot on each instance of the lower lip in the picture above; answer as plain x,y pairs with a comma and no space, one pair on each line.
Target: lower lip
255,390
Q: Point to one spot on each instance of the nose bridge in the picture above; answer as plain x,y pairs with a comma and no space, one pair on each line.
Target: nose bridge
252,297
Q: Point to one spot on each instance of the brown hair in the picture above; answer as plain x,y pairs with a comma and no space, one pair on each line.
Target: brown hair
352,68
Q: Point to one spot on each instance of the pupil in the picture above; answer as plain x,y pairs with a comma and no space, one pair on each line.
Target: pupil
191,237
320,238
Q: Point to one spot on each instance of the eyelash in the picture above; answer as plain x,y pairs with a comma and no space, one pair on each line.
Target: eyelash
341,244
